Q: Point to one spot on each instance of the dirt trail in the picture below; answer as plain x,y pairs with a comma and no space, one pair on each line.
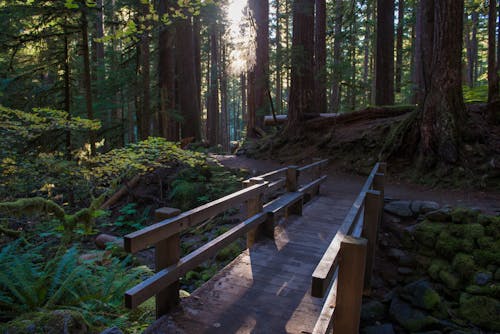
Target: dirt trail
488,202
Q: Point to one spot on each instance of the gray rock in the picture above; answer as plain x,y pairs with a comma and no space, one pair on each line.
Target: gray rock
409,317
372,311
430,332
421,294
399,208
112,330
395,253
423,207
379,329
405,271
483,278
441,215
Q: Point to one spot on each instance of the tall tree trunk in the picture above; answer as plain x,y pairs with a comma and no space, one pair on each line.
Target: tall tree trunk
423,48
169,126
186,69
384,76
213,89
320,57
443,106
87,75
493,94
301,99
197,55
260,10
279,51
337,57
366,51
67,91
399,46
224,118
145,119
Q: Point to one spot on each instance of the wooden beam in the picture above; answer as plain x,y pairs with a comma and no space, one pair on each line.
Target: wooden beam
151,286
254,206
324,323
370,231
150,235
350,286
320,163
291,178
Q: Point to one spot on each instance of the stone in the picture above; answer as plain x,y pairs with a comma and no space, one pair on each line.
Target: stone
102,240
482,311
372,311
421,294
464,215
464,265
430,332
401,257
482,278
436,266
112,330
448,245
423,207
470,231
409,317
450,279
49,322
379,329
399,208
405,271
440,215
427,233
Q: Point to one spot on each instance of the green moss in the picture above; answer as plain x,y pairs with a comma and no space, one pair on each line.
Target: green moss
58,321
464,215
470,231
426,233
481,311
450,279
229,253
485,257
493,229
464,265
491,290
436,266
448,245
485,242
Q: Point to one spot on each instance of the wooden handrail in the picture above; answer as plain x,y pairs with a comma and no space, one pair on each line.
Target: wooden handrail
348,261
165,235
150,235
318,164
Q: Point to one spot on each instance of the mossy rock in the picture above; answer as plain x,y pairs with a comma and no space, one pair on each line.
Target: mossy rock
482,311
485,257
450,279
464,265
491,290
436,266
485,220
485,242
493,229
448,245
426,233
464,215
48,322
469,231
229,253
421,294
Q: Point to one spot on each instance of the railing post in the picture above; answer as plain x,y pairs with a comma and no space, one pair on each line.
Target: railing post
292,179
167,252
254,206
350,286
370,231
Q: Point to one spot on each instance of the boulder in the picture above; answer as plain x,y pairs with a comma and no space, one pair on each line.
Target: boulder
482,278
112,330
464,265
423,207
441,215
464,215
49,322
410,318
482,311
421,294
450,279
379,329
399,208
372,311
102,240
427,233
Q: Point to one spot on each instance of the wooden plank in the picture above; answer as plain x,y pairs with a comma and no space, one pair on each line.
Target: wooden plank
291,178
276,185
350,286
273,173
370,231
320,163
310,187
148,288
167,252
254,206
325,320
281,203
150,235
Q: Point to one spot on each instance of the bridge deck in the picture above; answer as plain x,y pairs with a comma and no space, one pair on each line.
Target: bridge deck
267,288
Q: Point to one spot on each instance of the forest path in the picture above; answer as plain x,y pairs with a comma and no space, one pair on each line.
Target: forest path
487,201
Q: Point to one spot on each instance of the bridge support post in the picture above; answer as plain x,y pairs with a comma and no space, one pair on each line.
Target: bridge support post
292,176
350,285
371,223
379,183
254,206
167,252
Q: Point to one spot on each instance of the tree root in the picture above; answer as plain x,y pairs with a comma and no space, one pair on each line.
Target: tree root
403,137
9,232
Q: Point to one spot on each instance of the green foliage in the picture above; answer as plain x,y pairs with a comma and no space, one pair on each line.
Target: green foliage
477,94
93,289
129,220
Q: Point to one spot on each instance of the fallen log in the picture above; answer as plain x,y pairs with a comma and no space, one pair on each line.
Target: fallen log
120,193
281,119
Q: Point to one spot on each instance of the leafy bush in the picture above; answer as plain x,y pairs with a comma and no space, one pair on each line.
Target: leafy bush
27,284
476,94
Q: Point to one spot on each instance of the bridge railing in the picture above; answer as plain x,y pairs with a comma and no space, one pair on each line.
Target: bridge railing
344,272
165,234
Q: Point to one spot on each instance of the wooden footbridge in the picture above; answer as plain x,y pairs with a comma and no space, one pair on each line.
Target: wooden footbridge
302,274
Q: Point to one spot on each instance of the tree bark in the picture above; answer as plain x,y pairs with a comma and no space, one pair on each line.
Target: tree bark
320,57
145,118
67,91
87,75
443,106
279,51
186,69
301,99
384,76
423,48
337,58
224,117
213,90
399,46
493,94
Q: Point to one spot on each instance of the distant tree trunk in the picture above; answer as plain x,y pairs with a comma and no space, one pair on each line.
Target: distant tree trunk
251,110
493,94
366,51
99,28
169,126
67,91
337,57
213,89
301,99
472,49
352,92
443,107
423,48
260,10
279,51
197,54
145,118
224,119
87,75
399,46
320,57
384,76
243,88
186,69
